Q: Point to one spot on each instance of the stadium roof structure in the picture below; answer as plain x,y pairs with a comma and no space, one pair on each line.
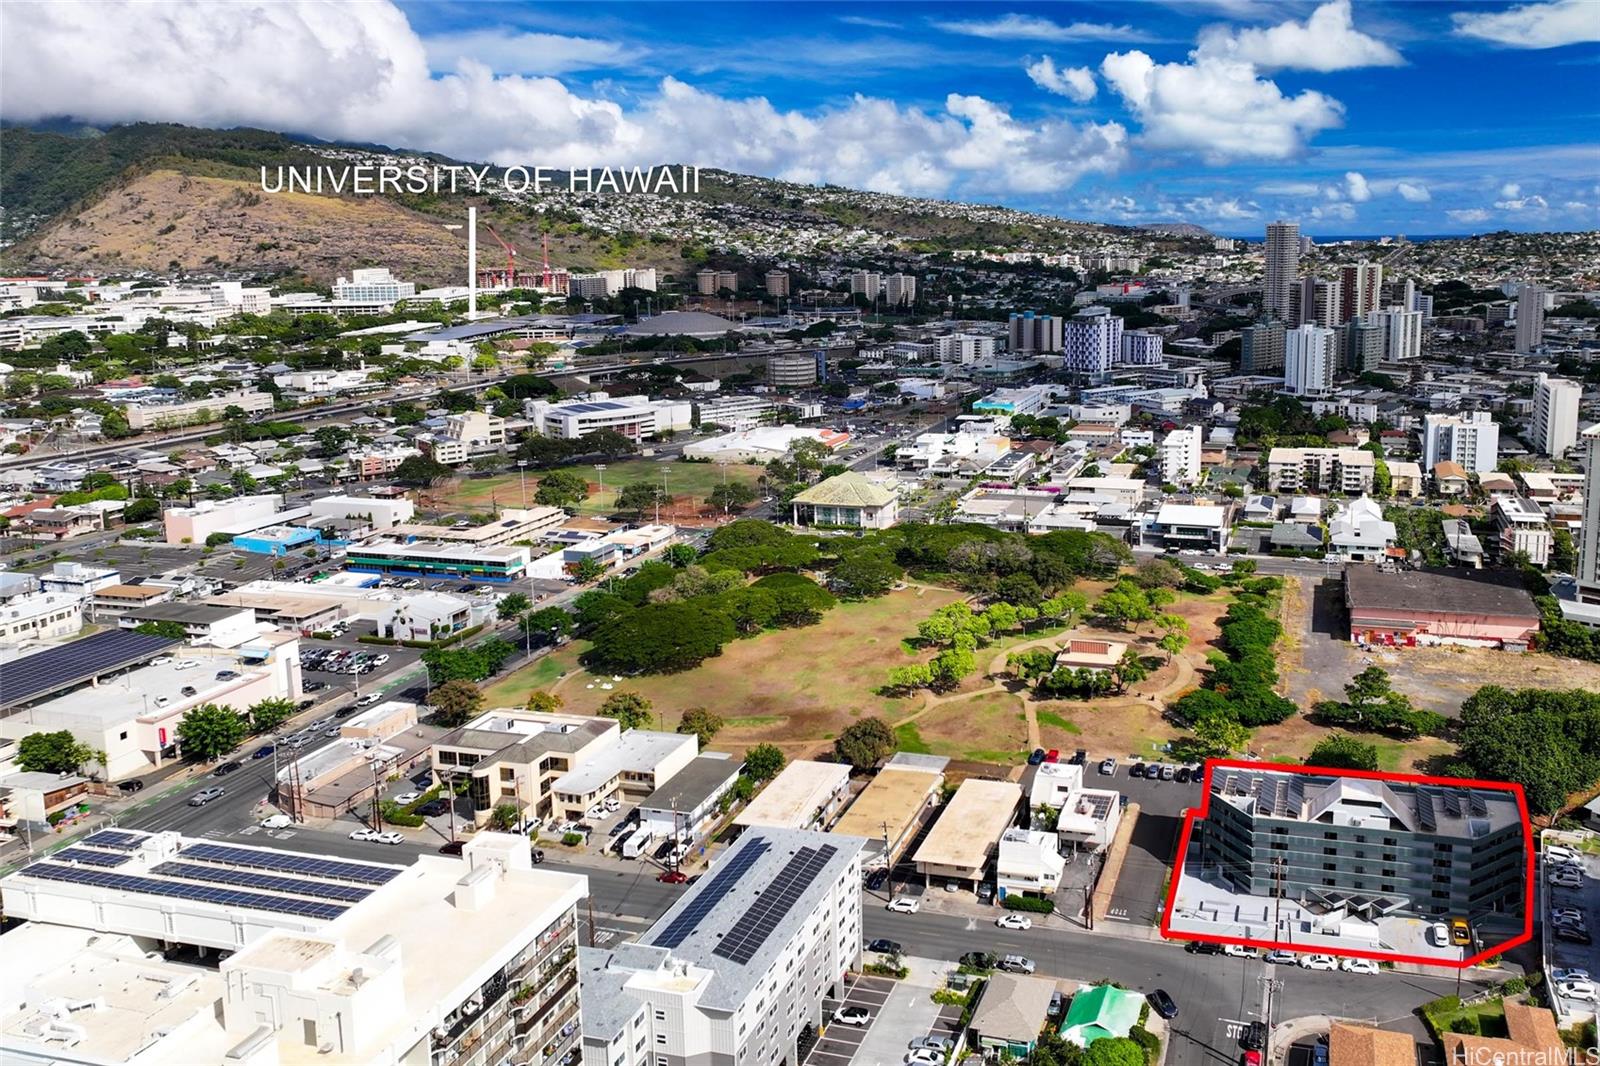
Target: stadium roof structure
57,669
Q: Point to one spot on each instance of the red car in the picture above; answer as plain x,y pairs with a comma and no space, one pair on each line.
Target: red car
672,877
1052,756
1250,1058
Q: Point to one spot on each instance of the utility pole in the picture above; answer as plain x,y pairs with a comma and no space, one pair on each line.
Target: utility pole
377,796
1277,893
1269,990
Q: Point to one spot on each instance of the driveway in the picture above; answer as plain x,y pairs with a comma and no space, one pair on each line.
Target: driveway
840,1044
908,1012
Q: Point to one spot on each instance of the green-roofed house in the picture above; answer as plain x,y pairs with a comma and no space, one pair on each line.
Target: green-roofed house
848,500
1100,1011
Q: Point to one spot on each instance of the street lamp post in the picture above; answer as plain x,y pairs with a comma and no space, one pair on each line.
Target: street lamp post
522,471
600,468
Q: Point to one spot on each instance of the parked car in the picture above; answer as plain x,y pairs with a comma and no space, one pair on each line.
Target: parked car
130,786
1239,951
536,856
1182,776
369,699
1573,935
1318,962
407,797
227,675
1280,957
389,837
904,905
261,752
1014,921
224,769
1561,853
985,892
363,834
672,877
1359,966
1052,756
885,946
452,847
205,796
314,686
1167,771
1163,1004
932,1043
1439,935
1016,964
1136,770
979,960
1108,767
1036,757
1561,973
852,1016
188,690
1576,989
1460,933
924,1057
1200,947
1079,758
277,821
876,879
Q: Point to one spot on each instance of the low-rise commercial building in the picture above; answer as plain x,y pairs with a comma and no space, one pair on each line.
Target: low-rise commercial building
805,795
514,756
40,616
1201,527
639,763
635,417
1086,818
965,838
148,413
738,968
509,526
501,562
1438,607
192,525
848,500
204,625
1028,863
893,808
691,799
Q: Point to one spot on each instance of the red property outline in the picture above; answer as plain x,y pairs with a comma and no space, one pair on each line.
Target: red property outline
1191,814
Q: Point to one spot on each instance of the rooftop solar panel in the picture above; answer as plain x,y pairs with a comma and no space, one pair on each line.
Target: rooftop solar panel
91,857
289,862
756,924
1476,803
119,839
222,875
711,893
45,672
151,886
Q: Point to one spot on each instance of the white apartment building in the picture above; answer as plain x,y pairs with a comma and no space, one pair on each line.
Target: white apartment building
79,579
1141,349
1555,415
1471,439
1402,333
373,285
739,966
40,616
379,514
1310,354
736,413
1028,862
635,417
1346,470
866,283
610,282
1179,454
1091,342
464,436
1522,527
446,961
899,290
1530,316
964,348
148,415
641,761
1589,533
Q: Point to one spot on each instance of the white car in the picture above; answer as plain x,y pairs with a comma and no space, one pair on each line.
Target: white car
1318,962
1561,854
1238,951
1014,921
904,905
1562,879
407,797
1359,966
369,699
380,660
161,660
390,837
1572,914
277,821
364,834
1576,989
924,1057
1439,935
852,1016
1561,973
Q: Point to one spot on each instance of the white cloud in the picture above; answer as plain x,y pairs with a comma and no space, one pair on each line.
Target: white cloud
1289,188
1355,187
1075,82
1575,205
1326,41
1217,107
1525,203
1343,212
508,52
362,74
871,23
1470,214
1015,27
1415,193
1510,189
1549,25
1230,210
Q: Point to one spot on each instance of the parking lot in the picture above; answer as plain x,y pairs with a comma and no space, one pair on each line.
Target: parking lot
1565,949
841,1043
1139,893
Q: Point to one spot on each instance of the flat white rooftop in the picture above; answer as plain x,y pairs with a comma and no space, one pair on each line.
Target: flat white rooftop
791,800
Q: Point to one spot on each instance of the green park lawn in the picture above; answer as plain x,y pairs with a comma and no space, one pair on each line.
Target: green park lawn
694,480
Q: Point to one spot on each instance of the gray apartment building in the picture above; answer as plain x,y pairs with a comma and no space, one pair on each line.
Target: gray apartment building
1374,848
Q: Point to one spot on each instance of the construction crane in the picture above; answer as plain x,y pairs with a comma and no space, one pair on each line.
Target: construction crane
509,278
547,280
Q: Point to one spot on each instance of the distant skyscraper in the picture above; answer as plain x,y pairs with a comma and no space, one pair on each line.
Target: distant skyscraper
1309,356
1261,348
1141,349
1363,345
1402,334
1281,270
899,290
1530,317
1360,287
1589,534
866,283
777,283
1555,415
1316,302
1034,334
1092,341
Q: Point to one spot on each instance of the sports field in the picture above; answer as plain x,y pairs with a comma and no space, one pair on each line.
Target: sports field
688,483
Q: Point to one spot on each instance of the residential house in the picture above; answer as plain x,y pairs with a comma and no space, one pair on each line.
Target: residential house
1100,1011
1449,478
1359,533
1010,1015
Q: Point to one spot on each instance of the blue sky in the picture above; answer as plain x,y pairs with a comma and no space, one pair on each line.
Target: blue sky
1354,118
